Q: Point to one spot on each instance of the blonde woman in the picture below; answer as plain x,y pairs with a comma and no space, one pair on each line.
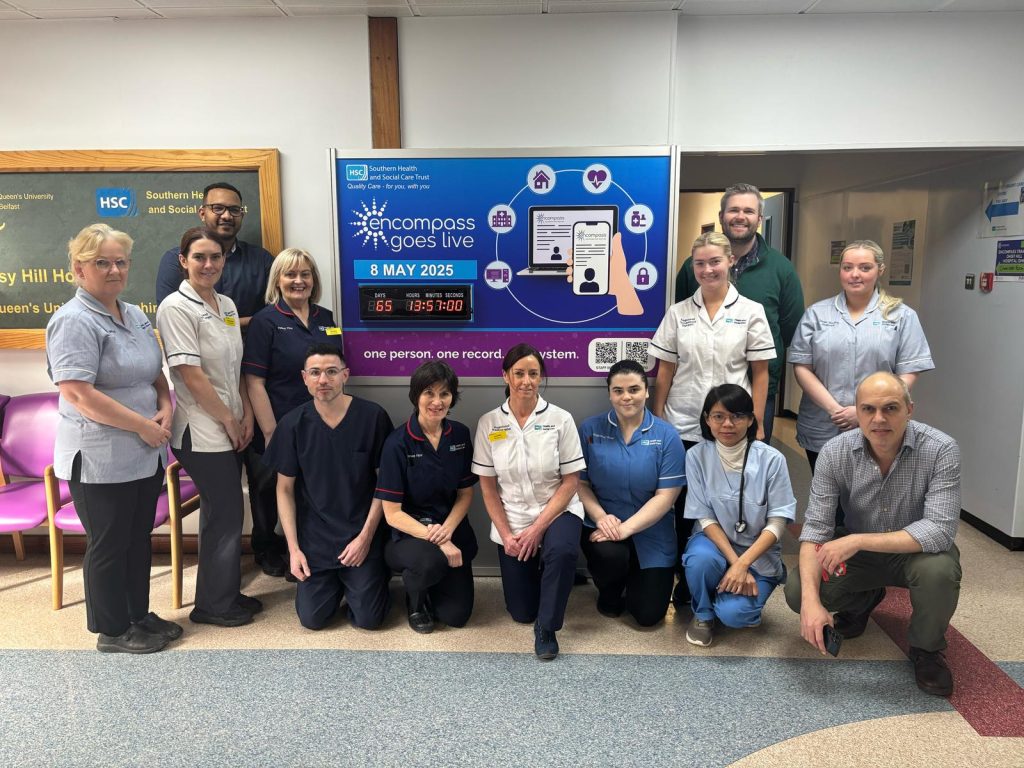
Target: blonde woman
842,340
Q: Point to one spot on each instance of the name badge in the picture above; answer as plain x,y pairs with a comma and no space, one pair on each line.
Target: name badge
333,331
498,435
230,321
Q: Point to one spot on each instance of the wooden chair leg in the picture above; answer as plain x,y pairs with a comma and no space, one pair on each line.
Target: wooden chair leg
19,545
174,509
57,566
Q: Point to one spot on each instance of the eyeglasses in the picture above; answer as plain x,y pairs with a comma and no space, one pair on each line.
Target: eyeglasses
219,210
331,373
735,418
105,265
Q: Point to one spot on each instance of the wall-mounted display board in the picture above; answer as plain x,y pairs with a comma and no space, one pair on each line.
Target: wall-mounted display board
460,255
46,197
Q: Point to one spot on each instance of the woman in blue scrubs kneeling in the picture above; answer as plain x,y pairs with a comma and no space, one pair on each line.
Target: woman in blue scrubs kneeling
426,485
740,493
634,474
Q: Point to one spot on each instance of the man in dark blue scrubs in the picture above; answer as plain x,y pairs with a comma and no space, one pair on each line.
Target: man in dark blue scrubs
326,453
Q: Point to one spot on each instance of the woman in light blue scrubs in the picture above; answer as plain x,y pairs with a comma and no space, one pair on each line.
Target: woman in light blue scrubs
634,474
741,497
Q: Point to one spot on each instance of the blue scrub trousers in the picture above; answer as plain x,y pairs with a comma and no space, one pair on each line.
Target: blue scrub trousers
538,589
705,566
365,588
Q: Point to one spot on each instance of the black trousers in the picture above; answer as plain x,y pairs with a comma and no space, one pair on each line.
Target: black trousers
364,587
615,569
426,573
812,459
118,521
262,482
684,528
218,476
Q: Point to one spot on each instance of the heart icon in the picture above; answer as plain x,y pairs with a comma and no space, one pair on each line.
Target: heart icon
597,178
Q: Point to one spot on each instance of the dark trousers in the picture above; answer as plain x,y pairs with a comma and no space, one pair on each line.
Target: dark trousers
118,521
769,418
365,589
262,482
616,569
218,476
538,589
426,573
812,459
684,528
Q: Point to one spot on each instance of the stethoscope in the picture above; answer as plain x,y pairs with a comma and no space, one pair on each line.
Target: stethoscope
741,524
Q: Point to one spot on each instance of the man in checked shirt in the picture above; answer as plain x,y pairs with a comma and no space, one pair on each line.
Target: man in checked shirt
899,482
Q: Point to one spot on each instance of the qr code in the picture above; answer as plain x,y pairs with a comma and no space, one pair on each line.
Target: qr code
604,353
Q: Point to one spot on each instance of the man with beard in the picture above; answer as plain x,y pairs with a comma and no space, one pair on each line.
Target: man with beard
761,274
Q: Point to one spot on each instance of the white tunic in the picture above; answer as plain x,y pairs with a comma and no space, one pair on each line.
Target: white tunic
708,352
529,462
193,334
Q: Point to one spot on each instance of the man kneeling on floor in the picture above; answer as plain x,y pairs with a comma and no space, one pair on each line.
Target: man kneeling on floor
329,449
899,482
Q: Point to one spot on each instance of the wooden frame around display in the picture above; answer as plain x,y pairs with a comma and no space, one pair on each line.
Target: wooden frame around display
264,161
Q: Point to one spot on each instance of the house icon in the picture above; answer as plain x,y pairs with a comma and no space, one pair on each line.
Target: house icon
541,180
501,219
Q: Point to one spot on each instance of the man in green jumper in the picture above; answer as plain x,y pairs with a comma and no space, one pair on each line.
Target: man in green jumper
760,273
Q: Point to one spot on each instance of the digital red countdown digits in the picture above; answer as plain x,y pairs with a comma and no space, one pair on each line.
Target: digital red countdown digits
440,303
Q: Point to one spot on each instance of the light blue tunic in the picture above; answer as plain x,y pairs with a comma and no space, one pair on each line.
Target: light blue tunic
84,342
624,477
714,493
842,352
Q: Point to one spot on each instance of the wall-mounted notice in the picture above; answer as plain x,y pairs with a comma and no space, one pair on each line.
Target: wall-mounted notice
1010,261
1002,209
835,252
458,257
901,254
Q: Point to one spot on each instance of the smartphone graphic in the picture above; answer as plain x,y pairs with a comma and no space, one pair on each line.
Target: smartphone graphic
591,252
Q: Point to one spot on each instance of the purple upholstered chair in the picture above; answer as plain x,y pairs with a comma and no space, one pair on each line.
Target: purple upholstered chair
178,498
26,453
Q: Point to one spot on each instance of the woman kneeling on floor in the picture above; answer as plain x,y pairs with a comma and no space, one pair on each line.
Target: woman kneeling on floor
740,493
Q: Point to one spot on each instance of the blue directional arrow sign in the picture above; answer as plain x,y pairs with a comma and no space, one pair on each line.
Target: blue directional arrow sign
1001,209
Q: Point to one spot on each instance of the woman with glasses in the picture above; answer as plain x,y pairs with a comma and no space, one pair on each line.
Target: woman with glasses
275,351
115,420
213,422
634,473
426,484
528,457
712,337
740,494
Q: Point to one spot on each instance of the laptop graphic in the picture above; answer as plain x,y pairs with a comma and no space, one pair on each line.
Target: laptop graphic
551,234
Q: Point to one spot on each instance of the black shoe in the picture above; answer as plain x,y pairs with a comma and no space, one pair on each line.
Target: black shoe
157,626
134,640
290,578
681,595
272,563
235,616
545,644
579,578
932,672
611,607
250,604
851,625
421,622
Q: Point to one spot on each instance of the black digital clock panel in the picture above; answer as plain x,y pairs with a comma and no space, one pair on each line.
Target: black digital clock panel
437,302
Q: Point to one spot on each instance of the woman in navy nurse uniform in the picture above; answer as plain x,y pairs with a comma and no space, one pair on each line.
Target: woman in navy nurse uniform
741,496
528,457
426,484
634,474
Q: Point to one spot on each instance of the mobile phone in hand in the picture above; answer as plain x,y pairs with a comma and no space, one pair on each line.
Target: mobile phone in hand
833,640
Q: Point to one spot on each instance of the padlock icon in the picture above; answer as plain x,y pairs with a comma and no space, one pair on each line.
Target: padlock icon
643,277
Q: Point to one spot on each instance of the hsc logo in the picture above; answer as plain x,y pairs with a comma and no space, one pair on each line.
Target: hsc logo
357,172
116,202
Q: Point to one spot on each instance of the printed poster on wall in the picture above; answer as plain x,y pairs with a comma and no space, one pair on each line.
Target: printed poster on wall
1002,209
1010,261
461,257
835,250
901,254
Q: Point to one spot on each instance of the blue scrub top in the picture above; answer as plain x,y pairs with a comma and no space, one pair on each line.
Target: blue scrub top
625,477
767,492
335,471
275,350
426,481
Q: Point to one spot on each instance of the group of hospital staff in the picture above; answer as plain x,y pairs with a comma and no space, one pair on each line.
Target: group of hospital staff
551,489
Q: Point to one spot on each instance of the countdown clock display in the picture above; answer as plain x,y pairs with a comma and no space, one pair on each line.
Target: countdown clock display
412,303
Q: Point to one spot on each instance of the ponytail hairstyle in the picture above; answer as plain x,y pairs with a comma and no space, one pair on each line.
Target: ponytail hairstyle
886,302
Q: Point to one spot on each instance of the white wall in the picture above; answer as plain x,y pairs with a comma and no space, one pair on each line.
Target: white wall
570,80
824,81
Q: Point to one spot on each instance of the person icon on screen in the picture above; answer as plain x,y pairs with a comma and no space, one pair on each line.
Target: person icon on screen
556,255
590,285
